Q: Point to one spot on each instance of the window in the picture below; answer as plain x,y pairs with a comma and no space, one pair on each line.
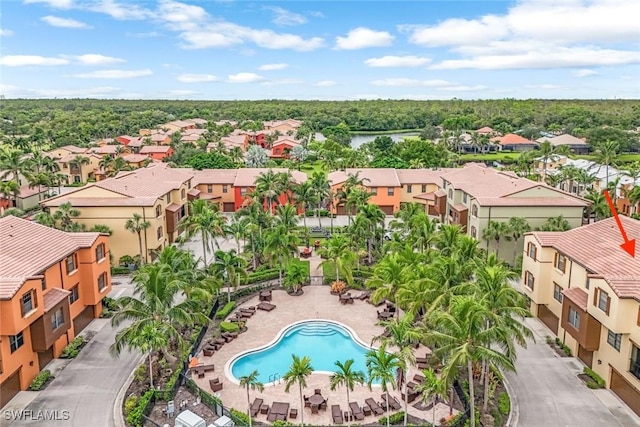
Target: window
76,179
102,281
424,188
43,283
74,295
614,340
532,251
560,262
159,233
557,292
474,211
16,341
587,283
169,197
243,191
473,232
444,185
209,188
634,367
451,194
602,300
409,188
529,280
28,302
638,322
100,252
390,191
183,193
465,197
574,318
57,319
225,188
158,211
71,264
374,191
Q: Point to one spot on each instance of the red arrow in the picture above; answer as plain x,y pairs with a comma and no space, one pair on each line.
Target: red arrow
629,246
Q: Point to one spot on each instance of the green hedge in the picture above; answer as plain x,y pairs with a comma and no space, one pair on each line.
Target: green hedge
135,416
224,311
119,270
246,291
240,418
229,327
504,404
597,382
73,348
40,380
260,276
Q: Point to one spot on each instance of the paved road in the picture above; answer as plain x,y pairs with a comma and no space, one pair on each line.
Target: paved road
549,394
87,386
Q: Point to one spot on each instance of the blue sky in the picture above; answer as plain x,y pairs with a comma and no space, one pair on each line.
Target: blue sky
327,50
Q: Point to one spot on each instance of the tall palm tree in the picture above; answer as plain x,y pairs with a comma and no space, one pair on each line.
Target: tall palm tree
322,189
298,372
137,225
206,220
599,206
286,215
237,228
389,275
403,335
433,388
65,214
545,152
607,154
231,268
12,164
517,227
495,231
305,196
280,246
250,382
268,188
346,376
336,250
382,366
77,162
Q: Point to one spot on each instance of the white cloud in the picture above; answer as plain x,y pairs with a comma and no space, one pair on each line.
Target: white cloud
584,73
123,12
245,78
5,33
185,15
463,88
282,82
325,83
57,4
361,37
114,74
56,21
182,92
272,67
398,61
411,82
284,17
30,60
545,86
196,78
143,35
89,92
97,59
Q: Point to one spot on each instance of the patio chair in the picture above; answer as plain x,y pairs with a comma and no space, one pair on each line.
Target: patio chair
356,411
255,406
377,410
265,306
215,384
314,409
336,414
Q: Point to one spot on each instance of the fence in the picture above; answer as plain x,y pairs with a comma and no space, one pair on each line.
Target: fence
461,420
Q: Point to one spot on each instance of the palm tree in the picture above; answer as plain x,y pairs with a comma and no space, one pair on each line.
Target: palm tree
137,225
495,230
607,154
231,267
517,227
297,274
556,223
205,219
102,228
322,189
44,218
305,196
402,334
238,229
545,152
12,165
8,188
336,250
77,162
65,214
38,180
433,388
298,372
280,245
268,188
381,366
346,376
599,206
250,382
286,215
389,275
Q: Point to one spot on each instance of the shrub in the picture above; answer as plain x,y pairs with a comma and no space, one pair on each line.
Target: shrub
261,276
229,327
281,423
504,404
338,287
40,380
115,271
597,379
393,419
224,311
135,416
140,373
73,348
240,418
130,404
126,260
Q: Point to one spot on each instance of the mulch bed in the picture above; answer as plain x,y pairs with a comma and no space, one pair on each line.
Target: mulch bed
183,394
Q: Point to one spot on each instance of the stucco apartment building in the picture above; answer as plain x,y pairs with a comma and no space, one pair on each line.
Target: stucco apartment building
586,289
51,286
157,193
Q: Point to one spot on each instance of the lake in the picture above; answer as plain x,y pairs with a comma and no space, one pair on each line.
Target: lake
358,140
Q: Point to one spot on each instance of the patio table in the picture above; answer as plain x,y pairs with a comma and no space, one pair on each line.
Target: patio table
316,399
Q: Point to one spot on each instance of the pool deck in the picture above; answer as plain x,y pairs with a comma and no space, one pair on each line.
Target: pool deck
315,303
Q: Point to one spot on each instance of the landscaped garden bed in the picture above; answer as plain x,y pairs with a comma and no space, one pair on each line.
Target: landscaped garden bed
557,346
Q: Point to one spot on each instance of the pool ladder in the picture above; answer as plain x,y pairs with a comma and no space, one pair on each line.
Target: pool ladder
275,377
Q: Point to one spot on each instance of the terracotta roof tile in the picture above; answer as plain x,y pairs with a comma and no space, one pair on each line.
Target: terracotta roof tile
421,176
481,181
155,149
215,176
531,201
246,177
53,296
135,158
578,296
24,255
377,177
512,139
596,246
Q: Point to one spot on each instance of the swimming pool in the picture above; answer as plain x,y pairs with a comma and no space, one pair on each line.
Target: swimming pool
322,340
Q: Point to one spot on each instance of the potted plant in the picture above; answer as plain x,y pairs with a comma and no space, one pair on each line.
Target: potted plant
316,244
296,275
338,287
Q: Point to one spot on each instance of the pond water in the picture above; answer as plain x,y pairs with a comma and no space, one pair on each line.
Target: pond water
358,140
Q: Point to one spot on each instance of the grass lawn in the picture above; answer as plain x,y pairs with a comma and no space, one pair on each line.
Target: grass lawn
303,262
309,169
329,270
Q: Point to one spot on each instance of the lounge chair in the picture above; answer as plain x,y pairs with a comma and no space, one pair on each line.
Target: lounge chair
421,360
255,406
377,410
418,378
393,402
336,414
356,411
265,306
272,417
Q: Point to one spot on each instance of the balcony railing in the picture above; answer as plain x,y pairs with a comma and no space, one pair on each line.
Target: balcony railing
634,368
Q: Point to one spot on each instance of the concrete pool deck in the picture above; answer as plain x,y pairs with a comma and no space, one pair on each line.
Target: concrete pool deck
315,303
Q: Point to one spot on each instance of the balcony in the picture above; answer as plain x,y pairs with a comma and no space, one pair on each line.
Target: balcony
634,368
43,334
588,332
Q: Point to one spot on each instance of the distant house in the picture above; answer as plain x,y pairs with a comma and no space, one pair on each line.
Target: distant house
160,138
125,139
485,131
157,152
282,147
231,142
190,139
105,150
576,145
513,142
136,160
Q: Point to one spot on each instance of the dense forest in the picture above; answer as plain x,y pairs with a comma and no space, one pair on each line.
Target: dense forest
82,120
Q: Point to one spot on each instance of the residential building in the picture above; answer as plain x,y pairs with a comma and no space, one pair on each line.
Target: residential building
230,142
137,160
157,193
281,147
576,145
383,184
513,142
51,286
422,186
157,152
586,289
476,194
602,176
60,152
216,185
245,182
77,171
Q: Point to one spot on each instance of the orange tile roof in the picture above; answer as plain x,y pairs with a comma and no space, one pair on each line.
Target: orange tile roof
24,255
214,176
532,201
53,296
481,181
512,139
155,149
74,149
246,177
578,296
135,158
377,177
596,246
421,176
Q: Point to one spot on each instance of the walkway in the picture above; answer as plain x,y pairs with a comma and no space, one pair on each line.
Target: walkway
86,386
548,392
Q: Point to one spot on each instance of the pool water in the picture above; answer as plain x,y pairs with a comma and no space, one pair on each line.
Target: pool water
324,342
